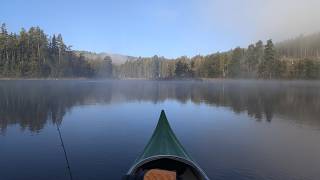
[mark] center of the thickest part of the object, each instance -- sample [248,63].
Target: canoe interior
[183,170]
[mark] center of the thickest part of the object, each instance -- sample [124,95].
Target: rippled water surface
[235,130]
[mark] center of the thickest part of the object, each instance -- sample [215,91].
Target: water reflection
[32,104]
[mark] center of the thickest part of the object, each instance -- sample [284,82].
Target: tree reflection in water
[32,104]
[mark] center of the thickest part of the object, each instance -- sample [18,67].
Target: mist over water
[233,129]
[253,20]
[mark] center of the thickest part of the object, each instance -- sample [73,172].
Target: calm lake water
[235,130]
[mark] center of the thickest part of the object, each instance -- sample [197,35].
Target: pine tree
[234,66]
[182,69]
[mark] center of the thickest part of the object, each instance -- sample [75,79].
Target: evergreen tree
[30,53]
[268,67]
[234,66]
[182,69]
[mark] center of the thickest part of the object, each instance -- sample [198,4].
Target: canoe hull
[164,151]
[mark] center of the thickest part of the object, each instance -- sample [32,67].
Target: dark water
[235,130]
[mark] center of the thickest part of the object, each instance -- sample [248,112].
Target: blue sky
[169,28]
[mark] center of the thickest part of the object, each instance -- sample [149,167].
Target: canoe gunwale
[177,158]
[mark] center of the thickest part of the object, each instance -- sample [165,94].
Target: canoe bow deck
[164,151]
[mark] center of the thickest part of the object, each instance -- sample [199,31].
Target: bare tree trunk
[39,58]
[59,55]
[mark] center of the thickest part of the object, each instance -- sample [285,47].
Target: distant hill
[116,58]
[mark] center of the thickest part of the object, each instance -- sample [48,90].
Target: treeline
[301,47]
[31,53]
[287,60]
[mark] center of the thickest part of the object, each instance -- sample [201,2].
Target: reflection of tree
[260,99]
[32,104]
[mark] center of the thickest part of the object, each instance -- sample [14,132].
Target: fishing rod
[65,153]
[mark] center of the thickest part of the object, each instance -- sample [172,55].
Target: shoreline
[144,79]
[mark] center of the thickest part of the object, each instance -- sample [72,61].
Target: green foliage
[306,69]
[234,65]
[311,69]
[32,54]
[182,69]
[148,68]
[271,67]
[257,61]
[102,68]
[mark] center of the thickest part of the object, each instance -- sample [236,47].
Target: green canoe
[164,151]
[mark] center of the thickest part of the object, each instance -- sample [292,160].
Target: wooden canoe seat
[158,174]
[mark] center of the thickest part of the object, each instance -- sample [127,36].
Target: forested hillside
[33,54]
[297,58]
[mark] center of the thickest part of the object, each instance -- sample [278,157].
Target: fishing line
[65,153]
